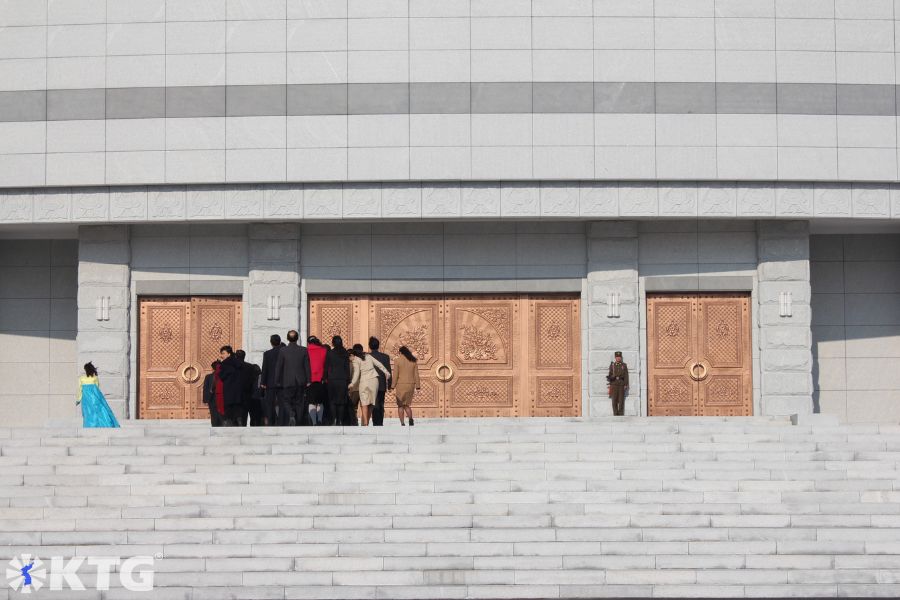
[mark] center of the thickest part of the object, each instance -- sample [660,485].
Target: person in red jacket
[315,393]
[220,395]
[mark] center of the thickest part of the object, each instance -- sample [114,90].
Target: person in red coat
[316,391]
[212,395]
[220,395]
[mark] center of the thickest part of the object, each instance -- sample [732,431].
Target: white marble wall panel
[856,326]
[104,272]
[442,256]
[613,270]
[38,323]
[273,252]
[838,123]
[786,363]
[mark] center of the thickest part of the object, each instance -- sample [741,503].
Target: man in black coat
[378,411]
[250,409]
[209,396]
[292,376]
[337,378]
[267,381]
[230,374]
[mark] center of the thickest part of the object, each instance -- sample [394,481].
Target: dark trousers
[233,414]
[245,412]
[269,402]
[215,419]
[292,406]
[341,414]
[617,395]
[378,409]
[336,411]
[255,411]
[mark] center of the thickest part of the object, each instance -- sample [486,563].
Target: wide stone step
[466,509]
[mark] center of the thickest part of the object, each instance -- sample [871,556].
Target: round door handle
[194,377]
[448,377]
[703,372]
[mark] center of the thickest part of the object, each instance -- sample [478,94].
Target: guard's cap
[618,353]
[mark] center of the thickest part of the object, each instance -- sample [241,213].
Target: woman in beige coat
[365,379]
[406,382]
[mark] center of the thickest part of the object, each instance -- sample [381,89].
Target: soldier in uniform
[618,384]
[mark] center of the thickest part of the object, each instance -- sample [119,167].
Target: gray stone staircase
[540,508]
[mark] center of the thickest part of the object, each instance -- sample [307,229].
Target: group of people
[308,385]
[316,384]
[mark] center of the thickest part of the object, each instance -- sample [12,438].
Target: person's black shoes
[411,422]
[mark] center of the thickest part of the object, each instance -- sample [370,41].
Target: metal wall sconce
[103,308]
[786,304]
[274,308]
[612,305]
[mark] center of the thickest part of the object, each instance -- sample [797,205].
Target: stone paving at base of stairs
[493,508]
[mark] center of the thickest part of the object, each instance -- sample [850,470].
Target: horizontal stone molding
[455,286]
[449,98]
[712,283]
[513,200]
[175,287]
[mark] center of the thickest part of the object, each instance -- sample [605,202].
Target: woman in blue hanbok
[94,409]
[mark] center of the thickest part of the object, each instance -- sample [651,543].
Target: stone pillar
[274,271]
[613,269]
[785,342]
[104,272]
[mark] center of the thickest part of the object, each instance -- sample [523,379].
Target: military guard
[618,384]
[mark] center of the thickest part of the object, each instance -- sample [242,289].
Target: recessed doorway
[180,337]
[479,355]
[698,353]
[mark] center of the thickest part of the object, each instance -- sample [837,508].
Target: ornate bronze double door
[179,340]
[698,350]
[478,356]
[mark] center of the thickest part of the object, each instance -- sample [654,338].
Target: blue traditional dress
[94,409]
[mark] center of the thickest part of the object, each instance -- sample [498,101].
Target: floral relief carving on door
[698,349]
[479,355]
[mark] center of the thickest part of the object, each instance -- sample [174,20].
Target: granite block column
[612,277]
[104,303]
[274,277]
[785,334]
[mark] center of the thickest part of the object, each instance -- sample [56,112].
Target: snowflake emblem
[26,574]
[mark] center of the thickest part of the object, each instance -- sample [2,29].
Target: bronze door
[483,356]
[414,322]
[484,367]
[698,350]
[554,361]
[179,340]
[724,351]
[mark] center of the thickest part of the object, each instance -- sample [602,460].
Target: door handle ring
[703,371]
[449,373]
[194,377]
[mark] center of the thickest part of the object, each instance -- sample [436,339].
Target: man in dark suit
[250,411]
[230,374]
[337,376]
[292,376]
[267,381]
[378,411]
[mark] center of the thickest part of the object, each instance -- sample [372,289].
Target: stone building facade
[612,152]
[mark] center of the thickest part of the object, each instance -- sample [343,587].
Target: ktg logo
[27,574]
